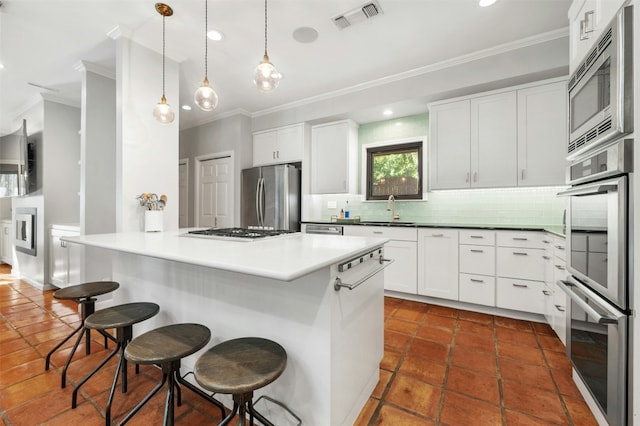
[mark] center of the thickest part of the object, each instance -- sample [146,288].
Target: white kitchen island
[281,289]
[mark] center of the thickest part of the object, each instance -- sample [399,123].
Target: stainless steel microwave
[601,88]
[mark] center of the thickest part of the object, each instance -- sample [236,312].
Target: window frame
[390,147]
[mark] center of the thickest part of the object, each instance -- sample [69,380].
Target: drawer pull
[546,292]
[437,235]
[520,239]
[560,247]
[476,236]
[546,257]
[520,253]
[562,268]
[519,285]
[560,308]
[476,251]
[474,280]
[377,232]
[546,241]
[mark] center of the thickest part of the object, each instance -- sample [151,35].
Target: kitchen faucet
[391,206]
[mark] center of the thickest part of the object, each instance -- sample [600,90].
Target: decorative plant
[151,201]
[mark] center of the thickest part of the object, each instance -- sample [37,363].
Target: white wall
[32,268]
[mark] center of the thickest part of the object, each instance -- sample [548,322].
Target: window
[395,170]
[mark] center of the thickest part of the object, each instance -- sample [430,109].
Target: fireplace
[26,230]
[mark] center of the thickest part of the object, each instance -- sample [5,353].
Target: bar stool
[122,318]
[239,367]
[84,294]
[165,347]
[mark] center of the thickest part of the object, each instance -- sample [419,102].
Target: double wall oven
[599,244]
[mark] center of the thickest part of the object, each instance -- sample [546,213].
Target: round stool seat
[91,289]
[167,344]
[121,315]
[240,366]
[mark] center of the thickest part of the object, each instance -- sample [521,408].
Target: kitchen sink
[386,223]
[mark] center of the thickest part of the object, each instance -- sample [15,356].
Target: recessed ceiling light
[186,107]
[305,35]
[486,3]
[215,35]
[387,112]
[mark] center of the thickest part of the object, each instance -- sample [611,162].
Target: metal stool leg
[144,401]
[74,396]
[233,412]
[168,407]
[202,394]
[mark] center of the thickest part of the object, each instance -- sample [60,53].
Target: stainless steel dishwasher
[323,228]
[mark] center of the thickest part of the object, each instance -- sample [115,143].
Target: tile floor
[441,367]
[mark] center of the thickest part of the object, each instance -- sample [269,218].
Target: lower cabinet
[560,301]
[6,241]
[401,275]
[520,295]
[477,267]
[438,263]
[64,259]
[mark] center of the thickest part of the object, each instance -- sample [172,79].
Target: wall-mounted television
[17,163]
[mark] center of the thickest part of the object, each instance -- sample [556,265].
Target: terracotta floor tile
[515,418]
[392,416]
[551,343]
[18,357]
[410,314]
[565,383]
[520,352]
[531,374]
[392,301]
[514,324]
[424,369]
[478,317]
[390,360]
[472,359]
[534,401]
[439,321]
[388,311]
[481,343]
[558,360]
[367,412]
[396,340]
[13,346]
[385,378]
[85,415]
[9,335]
[485,330]
[401,326]
[37,327]
[516,336]
[473,384]
[437,334]
[542,328]
[462,410]
[55,333]
[414,395]
[21,392]
[20,373]
[435,351]
[36,317]
[42,408]
[579,412]
[443,311]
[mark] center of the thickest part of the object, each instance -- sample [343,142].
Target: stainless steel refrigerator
[271,197]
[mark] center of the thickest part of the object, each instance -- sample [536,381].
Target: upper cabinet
[281,145]
[587,20]
[334,157]
[513,137]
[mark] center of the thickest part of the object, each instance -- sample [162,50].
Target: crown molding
[82,66]
[221,116]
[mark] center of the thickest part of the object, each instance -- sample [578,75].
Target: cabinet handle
[519,285]
[476,236]
[437,235]
[562,268]
[377,232]
[546,241]
[520,253]
[467,179]
[546,292]
[522,174]
[63,244]
[476,251]
[588,21]
[560,247]
[277,154]
[546,257]
[560,308]
[273,155]
[474,280]
[520,239]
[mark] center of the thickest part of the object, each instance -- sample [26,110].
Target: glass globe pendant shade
[266,77]
[205,97]
[163,112]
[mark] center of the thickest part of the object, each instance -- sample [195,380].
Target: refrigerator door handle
[261,204]
[258,200]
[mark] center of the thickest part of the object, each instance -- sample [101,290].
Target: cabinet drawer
[522,239]
[478,259]
[559,249]
[527,264]
[478,237]
[478,289]
[520,295]
[393,233]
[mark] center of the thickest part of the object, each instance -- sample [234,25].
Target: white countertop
[283,258]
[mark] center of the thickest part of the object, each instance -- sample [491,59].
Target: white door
[183,194]
[216,193]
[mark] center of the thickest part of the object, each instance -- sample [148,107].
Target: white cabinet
[334,157]
[549,277]
[520,271]
[281,145]
[477,267]
[542,135]
[500,139]
[64,259]
[559,297]
[401,275]
[449,149]
[587,20]
[438,263]
[493,141]
[6,241]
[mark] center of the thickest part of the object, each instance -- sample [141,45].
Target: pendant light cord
[265,27]
[163,46]
[206,41]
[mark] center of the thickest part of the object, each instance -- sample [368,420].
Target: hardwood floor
[441,367]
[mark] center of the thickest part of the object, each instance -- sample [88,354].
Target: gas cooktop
[240,234]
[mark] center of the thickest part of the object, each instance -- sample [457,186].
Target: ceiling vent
[364,12]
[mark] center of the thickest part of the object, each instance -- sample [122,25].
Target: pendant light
[265,76]
[162,111]
[206,98]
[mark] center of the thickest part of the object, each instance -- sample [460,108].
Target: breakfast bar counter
[279,288]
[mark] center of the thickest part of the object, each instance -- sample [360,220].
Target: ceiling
[43,41]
